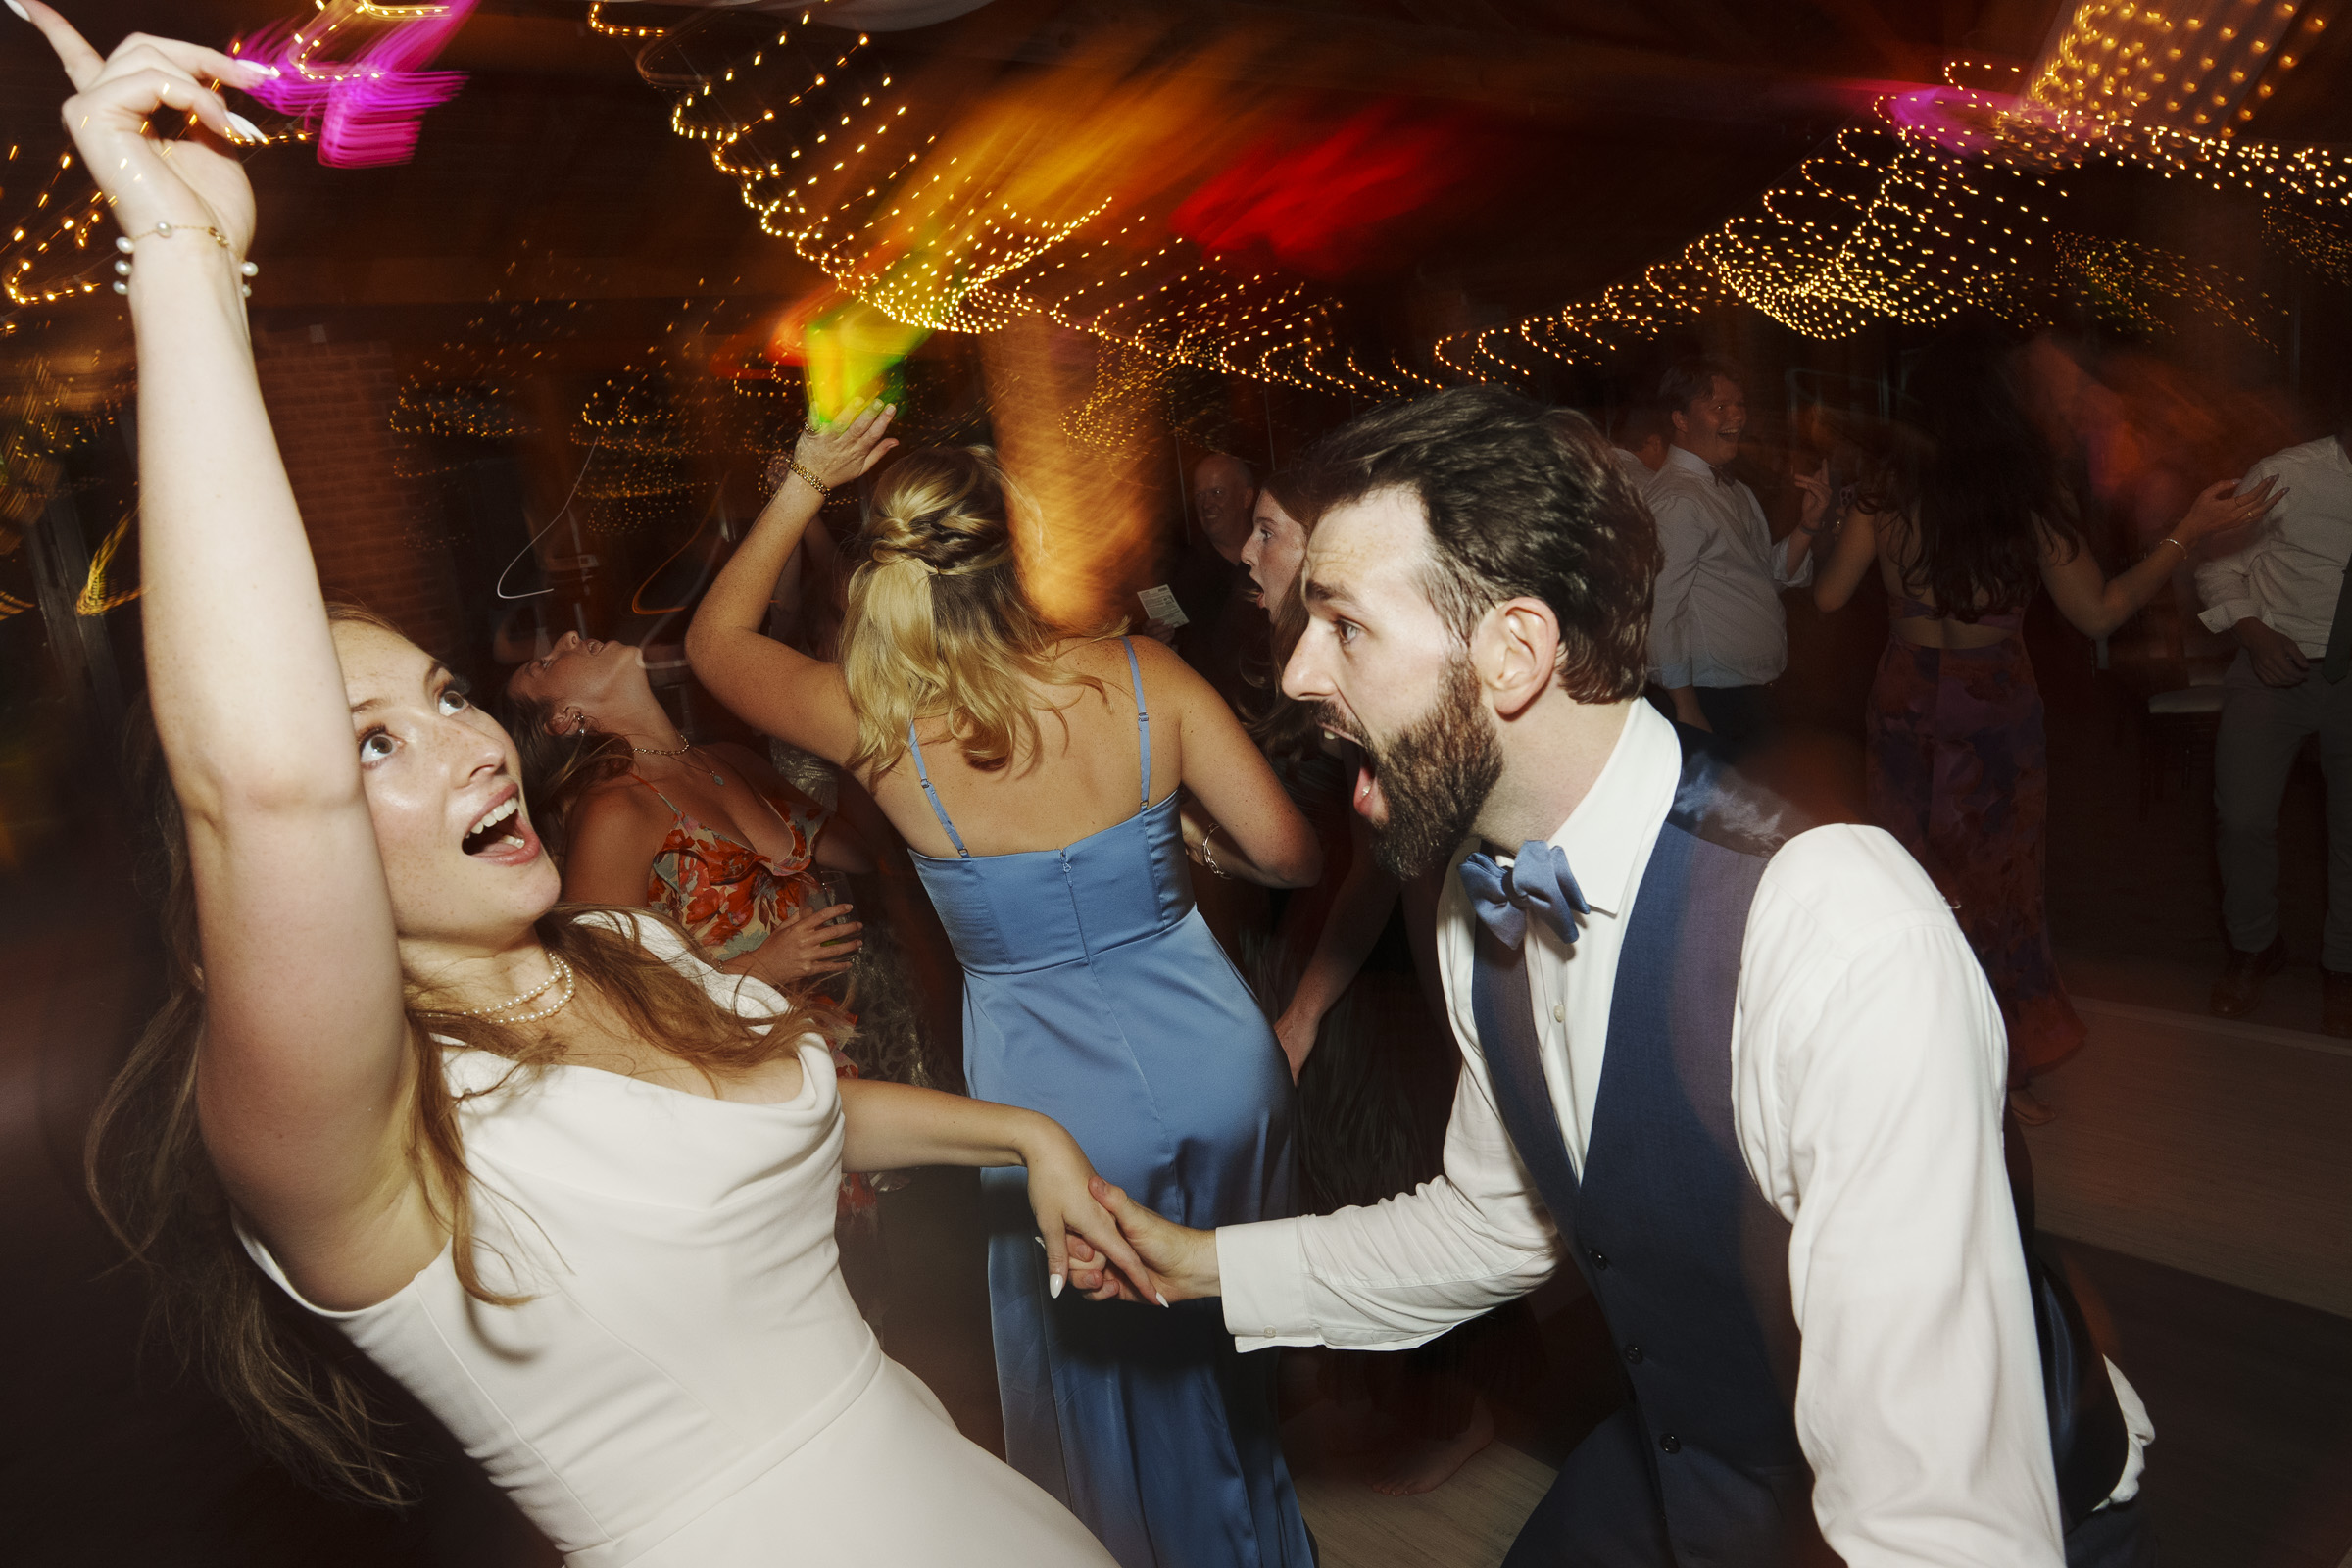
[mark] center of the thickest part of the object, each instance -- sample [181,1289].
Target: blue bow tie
[1537,880]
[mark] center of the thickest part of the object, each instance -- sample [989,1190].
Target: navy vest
[1688,1261]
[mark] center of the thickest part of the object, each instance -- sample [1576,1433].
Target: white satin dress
[689,1382]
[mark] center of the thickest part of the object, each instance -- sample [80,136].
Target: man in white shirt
[1759,1108]
[1718,636]
[2283,594]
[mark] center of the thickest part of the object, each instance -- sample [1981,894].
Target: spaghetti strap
[657,794]
[922,772]
[1142,717]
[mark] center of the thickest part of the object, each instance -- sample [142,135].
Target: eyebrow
[1318,592]
[433,674]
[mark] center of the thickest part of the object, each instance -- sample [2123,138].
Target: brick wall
[331,405]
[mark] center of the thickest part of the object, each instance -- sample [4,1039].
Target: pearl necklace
[655,751]
[558,972]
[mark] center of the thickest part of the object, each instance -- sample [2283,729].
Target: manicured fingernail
[1163,1301]
[1040,1241]
[245,128]
[20,10]
[1054,1286]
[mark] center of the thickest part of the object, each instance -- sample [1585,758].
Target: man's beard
[1434,775]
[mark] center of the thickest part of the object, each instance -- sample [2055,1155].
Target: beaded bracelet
[162,230]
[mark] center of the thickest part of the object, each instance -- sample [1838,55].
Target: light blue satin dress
[1094,994]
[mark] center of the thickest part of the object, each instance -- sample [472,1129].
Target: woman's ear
[568,724]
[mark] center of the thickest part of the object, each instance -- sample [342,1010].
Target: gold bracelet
[825,491]
[1209,860]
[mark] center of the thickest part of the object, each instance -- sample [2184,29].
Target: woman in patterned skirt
[1966,519]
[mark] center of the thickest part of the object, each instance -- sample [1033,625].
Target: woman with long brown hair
[1965,520]
[1037,772]
[560,1178]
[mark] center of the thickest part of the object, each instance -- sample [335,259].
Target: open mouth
[1366,797]
[501,833]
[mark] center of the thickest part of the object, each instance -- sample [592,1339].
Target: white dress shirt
[1717,619]
[1868,1068]
[1635,469]
[2291,568]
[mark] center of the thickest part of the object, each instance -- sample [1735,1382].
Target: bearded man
[1741,1070]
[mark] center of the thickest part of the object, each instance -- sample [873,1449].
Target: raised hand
[849,446]
[193,182]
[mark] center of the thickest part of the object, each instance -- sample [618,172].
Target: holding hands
[1175,1262]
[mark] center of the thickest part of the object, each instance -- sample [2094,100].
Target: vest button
[1633,1354]
[1599,1259]
[1671,1443]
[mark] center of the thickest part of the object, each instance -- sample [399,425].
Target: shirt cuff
[1261,1270]
[2227,613]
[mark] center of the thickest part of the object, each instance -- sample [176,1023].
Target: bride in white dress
[565,1181]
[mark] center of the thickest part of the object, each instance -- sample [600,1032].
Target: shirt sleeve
[1782,577]
[2225,582]
[1682,534]
[1407,1269]
[1869,1087]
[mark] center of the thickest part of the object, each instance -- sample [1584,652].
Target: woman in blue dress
[1037,775]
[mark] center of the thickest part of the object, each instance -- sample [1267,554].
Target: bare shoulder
[618,801]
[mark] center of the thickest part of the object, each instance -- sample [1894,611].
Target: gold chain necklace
[655,751]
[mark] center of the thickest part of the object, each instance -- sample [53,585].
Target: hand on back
[2221,507]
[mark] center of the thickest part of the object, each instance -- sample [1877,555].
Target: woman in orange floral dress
[709,835]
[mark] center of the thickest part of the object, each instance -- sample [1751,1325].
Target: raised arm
[304,1060]
[2096,605]
[765,683]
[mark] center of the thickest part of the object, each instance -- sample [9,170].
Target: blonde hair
[156,1188]
[937,621]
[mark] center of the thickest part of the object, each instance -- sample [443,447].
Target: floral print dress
[730,899]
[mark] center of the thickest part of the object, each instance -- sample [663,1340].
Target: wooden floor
[1469,1522]
[2220,1147]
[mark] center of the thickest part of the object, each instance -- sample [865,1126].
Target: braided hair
[937,623]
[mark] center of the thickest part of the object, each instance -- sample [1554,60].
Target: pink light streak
[365,104]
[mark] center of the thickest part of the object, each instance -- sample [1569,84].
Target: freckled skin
[438,764]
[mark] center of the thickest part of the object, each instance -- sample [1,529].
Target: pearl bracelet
[162,230]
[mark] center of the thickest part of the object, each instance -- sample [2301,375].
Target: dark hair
[1642,423]
[1521,501]
[1687,380]
[1977,482]
[1285,726]
[558,770]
